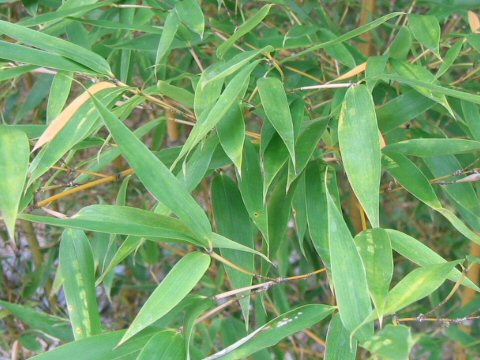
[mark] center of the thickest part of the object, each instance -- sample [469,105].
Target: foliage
[232,179]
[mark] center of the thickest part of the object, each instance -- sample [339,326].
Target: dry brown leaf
[355,71]
[474,22]
[62,119]
[382,140]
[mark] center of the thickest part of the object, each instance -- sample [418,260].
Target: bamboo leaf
[122,220]
[376,251]
[57,46]
[190,13]
[14,157]
[275,330]
[62,119]
[157,178]
[243,29]
[348,274]
[422,255]
[168,34]
[338,344]
[165,345]
[231,133]
[360,148]
[416,285]
[394,342]
[433,147]
[426,30]
[275,103]
[173,288]
[76,260]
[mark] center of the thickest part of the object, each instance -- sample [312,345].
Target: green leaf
[122,220]
[430,147]
[168,34]
[251,187]
[394,342]
[426,30]
[412,179]
[231,133]
[234,223]
[76,260]
[317,215]
[57,46]
[274,158]
[80,125]
[275,103]
[402,109]
[174,287]
[359,141]
[233,92]
[416,285]
[156,177]
[14,157]
[376,65]
[275,330]
[348,274]
[376,251]
[450,58]
[98,347]
[165,345]
[58,94]
[243,29]
[347,36]
[221,70]
[200,305]
[422,255]
[222,242]
[338,344]
[39,321]
[401,45]
[190,13]
[471,114]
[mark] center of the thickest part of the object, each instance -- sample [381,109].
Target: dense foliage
[232,179]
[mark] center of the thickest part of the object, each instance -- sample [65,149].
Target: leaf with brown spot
[62,119]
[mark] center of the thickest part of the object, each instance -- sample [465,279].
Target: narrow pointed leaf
[359,141]
[168,34]
[174,287]
[275,330]
[422,255]
[231,133]
[376,251]
[122,220]
[348,274]
[275,103]
[243,29]
[416,285]
[426,29]
[156,177]
[338,345]
[14,156]
[56,45]
[433,147]
[76,260]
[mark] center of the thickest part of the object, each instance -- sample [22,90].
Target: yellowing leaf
[474,22]
[62,119]
[355,71]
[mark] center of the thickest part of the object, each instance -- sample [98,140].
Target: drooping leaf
[171,290]
[76,260]
[338,345]
[168,34]
[275,103]
[376,251]
[14,157]
[348,274]
[231,133]
[190,13]
[360,148]
[156,177]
